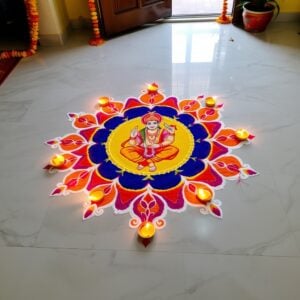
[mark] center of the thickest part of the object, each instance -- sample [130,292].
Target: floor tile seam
[154,252]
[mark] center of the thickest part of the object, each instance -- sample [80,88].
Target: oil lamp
[57,160]
[152,88]
[210,101]
[96,196]
[204,195]
[242,134]
[103,101]
[146,230]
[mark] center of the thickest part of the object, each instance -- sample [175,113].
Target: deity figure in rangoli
[151,144]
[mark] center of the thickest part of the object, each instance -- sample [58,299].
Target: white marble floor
[47,252]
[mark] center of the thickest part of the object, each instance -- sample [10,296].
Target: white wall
[54,21]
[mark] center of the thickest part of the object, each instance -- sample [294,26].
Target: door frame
[149,20]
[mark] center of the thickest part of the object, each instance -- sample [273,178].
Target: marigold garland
[33,21]
[97,39]
[224,18]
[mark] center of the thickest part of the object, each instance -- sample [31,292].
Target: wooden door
[120,15]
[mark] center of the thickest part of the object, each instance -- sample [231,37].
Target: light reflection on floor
[198,7]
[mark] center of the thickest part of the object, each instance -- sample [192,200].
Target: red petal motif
[77,180]
[171,102]
[209,176]
[132,102]
[173,197]
[215,210]
[52,142]
[96,180]
[58,191]
[192,188]
[125,197]
[102,117]
[212,127]
[88,133]
[217,150]
[89,212]
[250,172]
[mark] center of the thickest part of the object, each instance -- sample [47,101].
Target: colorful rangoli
[148,155]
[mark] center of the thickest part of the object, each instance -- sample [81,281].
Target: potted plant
[257,14]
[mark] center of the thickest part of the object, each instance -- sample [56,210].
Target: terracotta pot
[257,21]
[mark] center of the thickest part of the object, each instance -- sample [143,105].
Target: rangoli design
[147,156]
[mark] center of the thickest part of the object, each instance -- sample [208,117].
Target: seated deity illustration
[151,144]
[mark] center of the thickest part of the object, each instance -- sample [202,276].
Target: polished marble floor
[253,253]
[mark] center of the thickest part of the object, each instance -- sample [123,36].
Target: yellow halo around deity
[184,141]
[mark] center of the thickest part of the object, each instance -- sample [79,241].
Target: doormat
[6,66]
[149,155]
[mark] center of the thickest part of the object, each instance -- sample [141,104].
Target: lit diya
[152,88]
[204,195]
[57,160]
[146,230]
[96,196]
[242,134]
[103,101]
[210,101]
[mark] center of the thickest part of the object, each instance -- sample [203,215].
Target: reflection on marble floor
[198,7]
[47,252]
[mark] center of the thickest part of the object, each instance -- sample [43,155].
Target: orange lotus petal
[152,98]
[85,121]
[228,166]
[113,107]
[71,142]
[208,114]
[227,137]
[189,105]
[77,180]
